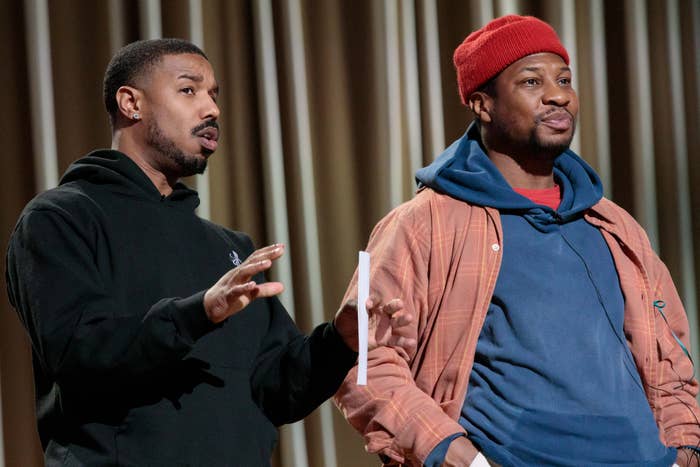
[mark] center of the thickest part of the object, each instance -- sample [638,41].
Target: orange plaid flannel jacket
[442,257]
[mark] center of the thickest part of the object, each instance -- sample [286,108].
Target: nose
[554,94]
[211,109]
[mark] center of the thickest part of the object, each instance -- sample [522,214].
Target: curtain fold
[365,93]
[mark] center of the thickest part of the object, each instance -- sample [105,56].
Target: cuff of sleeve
[437,456]
[190,318]
[442,427]
[341,352]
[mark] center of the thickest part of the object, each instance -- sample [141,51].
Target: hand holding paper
[384,319]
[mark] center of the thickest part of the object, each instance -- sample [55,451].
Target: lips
[559,121]
[208,138]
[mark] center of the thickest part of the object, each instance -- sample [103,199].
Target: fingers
[251,290]
[271,252]
[386,321]
[246,271]
[269,289]
[374,301]
[393,306]
[401,318]
[371,302]
[401,341]
[242,289]
[236,289]
[221,301]
[394,309]
[259,261]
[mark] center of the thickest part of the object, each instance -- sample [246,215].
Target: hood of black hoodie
[464,171]
[117,172]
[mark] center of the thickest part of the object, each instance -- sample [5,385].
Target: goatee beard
[184,165]
[537,146]
[549,150]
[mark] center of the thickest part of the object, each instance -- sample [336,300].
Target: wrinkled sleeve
[677,386]
[294,373]
[396,418]
[78,330]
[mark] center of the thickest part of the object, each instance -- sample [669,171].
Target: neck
[524,172]
[136,152]
[521,166]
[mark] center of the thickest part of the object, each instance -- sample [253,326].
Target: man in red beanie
[548,330]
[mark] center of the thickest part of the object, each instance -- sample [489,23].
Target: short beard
[537,146]
[533,146]
[180,164]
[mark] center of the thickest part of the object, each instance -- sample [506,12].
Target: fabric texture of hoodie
[108,278]
[553,381]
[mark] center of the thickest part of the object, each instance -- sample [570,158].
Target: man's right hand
[461,453]
[235,290]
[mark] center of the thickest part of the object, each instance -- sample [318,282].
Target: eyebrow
[195,78]
[198,79]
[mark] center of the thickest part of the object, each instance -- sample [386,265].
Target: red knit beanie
[489,50]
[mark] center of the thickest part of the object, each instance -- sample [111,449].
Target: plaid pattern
[442,257]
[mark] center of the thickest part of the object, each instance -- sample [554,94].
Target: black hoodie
[108,278]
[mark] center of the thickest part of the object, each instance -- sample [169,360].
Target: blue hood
[464,171]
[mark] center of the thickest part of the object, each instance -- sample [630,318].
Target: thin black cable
[635,374]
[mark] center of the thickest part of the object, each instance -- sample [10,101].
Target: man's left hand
[384,321]
[688,458]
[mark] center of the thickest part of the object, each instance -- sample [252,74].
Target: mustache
[207,124]
[549,112]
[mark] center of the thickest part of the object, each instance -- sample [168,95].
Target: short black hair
[133,60]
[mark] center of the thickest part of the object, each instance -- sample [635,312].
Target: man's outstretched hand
[688,458]
[236,289]
[385,319]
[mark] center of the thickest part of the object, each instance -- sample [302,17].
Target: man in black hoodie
[156,340]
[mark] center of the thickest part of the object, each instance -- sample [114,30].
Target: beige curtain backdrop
[328,107]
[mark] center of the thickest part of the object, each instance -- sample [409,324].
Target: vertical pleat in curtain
[328,107]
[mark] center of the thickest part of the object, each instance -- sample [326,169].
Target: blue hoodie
[553,381]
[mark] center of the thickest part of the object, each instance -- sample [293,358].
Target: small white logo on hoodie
[233,256]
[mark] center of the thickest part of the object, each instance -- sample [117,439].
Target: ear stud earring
[136,116]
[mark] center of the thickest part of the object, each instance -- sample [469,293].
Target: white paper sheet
[479,461]
[362,318]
